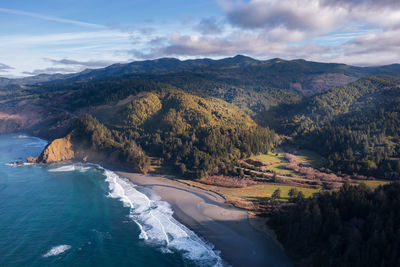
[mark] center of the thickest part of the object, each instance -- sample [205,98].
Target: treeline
[210,150]
[352,227]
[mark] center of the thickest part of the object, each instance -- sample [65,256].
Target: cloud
[209,26]
[373,43]
[303,15]
[254,44]
[50,71]
[51,18]
[362,32]
[313,17]
[368,49]
[5,68]
[358,49]
[195,45]
[131,29]
[362,3]
[92,37]
[89,64]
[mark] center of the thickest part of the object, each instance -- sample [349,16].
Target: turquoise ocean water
[84,215]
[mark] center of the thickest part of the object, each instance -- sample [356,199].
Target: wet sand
[225,226]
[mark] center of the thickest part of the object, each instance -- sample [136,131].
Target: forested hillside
[355,127]
[355,226]
[197,136]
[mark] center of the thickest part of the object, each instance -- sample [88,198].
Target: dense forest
[352,227]
[197,136]
[355,127]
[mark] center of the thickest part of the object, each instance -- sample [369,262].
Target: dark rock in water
[18,163]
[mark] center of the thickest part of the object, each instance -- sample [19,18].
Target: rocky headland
[90,141]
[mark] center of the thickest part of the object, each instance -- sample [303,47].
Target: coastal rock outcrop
[92,141]
[59,150]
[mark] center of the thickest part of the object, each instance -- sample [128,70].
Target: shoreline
[205,212]
[228,228]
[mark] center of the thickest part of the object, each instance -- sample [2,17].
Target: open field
[254,192]
[247,197]
[277,162]
[266,158]
[375,183]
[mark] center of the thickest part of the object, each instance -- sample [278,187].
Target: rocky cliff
[59,150]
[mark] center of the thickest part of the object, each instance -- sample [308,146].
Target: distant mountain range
[306,77]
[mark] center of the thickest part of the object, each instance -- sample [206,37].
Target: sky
[65,36]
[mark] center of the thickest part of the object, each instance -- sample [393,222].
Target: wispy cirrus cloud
[89,63]
[51,18]
[50,71]
[67,52]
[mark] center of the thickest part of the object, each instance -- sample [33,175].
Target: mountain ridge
[174,65]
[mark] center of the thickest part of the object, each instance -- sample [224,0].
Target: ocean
[84,215]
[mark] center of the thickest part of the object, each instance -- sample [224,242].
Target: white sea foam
[56,250]
[71,168]
[21,136]
[37,143]
[14,164]
[157,226]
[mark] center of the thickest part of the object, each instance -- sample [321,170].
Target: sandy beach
[225,226]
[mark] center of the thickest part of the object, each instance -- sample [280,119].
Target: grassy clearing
[375,183]
[278,161]
[255,192]
[266,158]
[281,169]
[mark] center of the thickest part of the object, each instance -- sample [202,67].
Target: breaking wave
[21,136]
[71,168]
[56,250]
[37,143]
[157,226]
[154,218]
